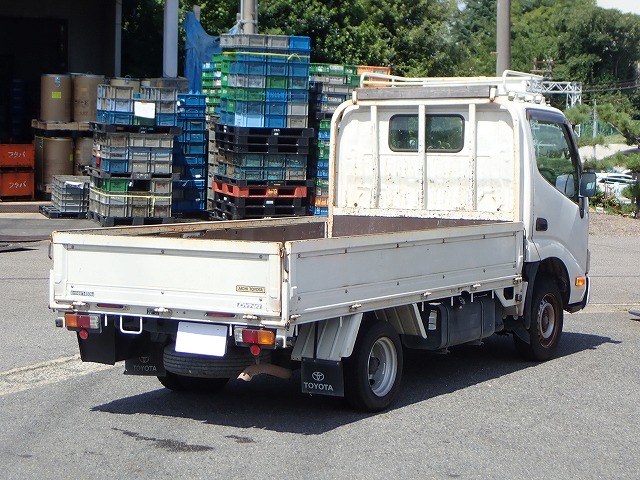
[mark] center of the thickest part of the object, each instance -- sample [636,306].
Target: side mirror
[588,184]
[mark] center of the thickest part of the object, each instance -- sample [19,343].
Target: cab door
[560,224]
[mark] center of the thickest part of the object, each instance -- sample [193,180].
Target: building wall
[90,30]
[42,37]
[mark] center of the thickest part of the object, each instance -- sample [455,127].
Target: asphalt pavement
[479,412]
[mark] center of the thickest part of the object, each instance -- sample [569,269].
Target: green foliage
[142,25]
[411,37]
[216,16]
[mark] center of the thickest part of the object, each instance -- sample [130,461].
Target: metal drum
[55,98]
[85,96]
[54,156]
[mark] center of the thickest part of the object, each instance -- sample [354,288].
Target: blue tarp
[199,48]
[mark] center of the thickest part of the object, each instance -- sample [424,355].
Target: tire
[373,372]
[181,383]
[231,365]
[546,322]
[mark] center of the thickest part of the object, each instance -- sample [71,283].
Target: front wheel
[373,371]
[546,319]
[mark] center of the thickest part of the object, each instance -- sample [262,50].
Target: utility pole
[503,37]
[249,16]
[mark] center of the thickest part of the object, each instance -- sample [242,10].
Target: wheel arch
[552,268]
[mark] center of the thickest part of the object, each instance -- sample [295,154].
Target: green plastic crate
[115,184]
[277,82]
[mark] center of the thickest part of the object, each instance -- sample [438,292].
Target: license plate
[202,339]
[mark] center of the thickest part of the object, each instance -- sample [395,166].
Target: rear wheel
[372,373]
[546,320]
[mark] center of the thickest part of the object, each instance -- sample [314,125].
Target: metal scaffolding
[572,91]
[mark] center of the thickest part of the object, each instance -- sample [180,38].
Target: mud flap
[322,377]
[151,363]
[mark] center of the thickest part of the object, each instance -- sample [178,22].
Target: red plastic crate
[16,184]
[17,155]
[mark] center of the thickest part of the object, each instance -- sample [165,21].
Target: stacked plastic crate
[190,157]
[69,197]
[211,87]
[150,106]
[132,164]
[331,84]
[260,148]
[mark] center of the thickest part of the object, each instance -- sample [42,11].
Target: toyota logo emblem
[318,376]
[144,359]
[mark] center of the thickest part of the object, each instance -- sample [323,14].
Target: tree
[615,110]
[413,37]
[475,34]
[142,26]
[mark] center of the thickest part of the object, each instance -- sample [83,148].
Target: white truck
[458,209]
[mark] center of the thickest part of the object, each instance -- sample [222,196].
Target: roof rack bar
[510,82]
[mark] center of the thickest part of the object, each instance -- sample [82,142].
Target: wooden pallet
[61,126]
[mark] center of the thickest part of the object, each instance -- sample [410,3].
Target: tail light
[85,321]
[254,336]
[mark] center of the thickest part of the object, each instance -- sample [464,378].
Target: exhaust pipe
[268,368]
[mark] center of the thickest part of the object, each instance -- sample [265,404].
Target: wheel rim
[547,321]
[383,366]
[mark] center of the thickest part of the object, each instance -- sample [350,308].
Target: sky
[626,6]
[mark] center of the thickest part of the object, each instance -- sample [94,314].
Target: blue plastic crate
[250,107]
[275,121]
[299,96]
[324,211]
[186,206]
[114,118]
[166,119]
[192,172]
[189,194]
[323,164]
[191,99]
[277,69]
[322,173]
[190,125]
[298,83]
[324,135]
[249,120]
[299,161]
[193,148]
[248,68]
[299,43]
[227,118]
[110,165]
[193,111]
[185,184]
[276,95]
[276,108]
[193,137]
[277,58]
[191,160]
[275,160]
[297,69]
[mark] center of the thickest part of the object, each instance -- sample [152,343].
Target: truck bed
[280,271]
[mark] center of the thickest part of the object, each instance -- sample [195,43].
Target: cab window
[445,133]
[555,158]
